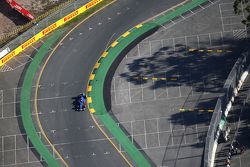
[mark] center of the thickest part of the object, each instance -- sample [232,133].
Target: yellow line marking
[191,50]
[154,79]
[39,77]
[114,44]
[182,110]
[209,50]
[201,110]
[210,110]
[126,34]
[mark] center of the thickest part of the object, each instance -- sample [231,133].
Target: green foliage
[239,8]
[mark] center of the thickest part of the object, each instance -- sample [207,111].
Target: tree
[241,6]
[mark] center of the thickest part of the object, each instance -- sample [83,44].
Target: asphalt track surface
[67,73]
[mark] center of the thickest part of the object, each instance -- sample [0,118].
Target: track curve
[66,75]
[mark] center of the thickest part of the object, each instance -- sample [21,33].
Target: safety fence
[46,26]
[223,105]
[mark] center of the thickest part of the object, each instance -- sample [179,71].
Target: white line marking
[130,100]
[17,60]
[34,48]
[142,91]
[158,134]
[3,149]
[115,92]
[173,39]
[198,41]
[150,49]
[132,132]
[185,140]
[145,134]
[154,90]
[15,149]
[171,129]
[201,7]
[210,41]
[197,132]
[139,53]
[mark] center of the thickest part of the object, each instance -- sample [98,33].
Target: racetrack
[65,77]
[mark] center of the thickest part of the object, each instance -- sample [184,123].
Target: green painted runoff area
[106,62]
[25,101]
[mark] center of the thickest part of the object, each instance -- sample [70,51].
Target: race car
[82,102]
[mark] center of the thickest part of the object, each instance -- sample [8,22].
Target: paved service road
[65,77]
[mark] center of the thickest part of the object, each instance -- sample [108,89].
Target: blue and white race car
[82,102]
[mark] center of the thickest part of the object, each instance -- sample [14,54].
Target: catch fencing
[222,107]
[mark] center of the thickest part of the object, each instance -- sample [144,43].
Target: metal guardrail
[43,21]
[218,119]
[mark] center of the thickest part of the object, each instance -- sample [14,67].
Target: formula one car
[82,102]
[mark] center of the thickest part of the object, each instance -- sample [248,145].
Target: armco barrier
[223,105]
[95,92]
[48,29]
